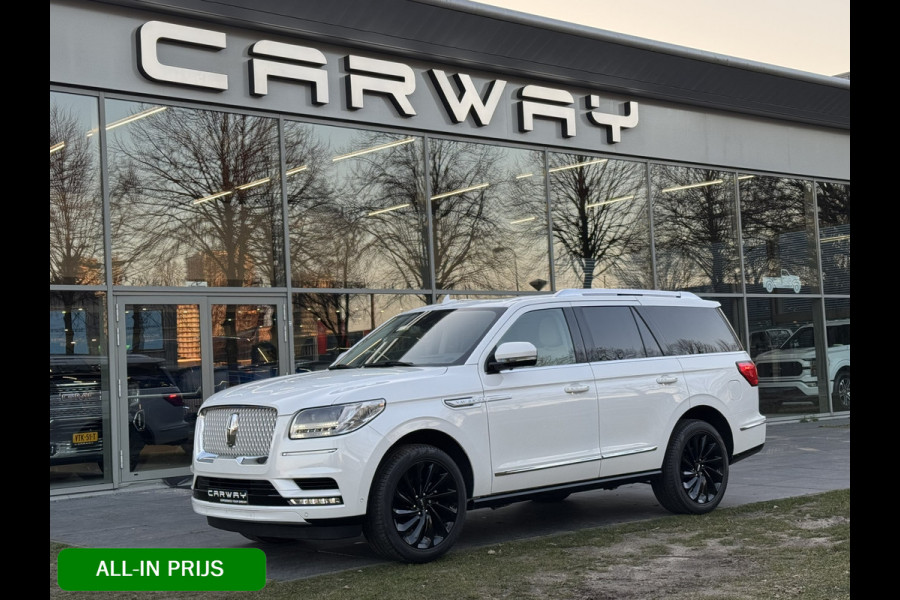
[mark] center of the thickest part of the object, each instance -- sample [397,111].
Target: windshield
[431,338]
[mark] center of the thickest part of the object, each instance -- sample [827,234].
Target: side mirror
[512,354]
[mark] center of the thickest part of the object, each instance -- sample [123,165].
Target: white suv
[791,371]
[470,404]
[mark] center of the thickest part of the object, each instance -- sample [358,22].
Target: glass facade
[319,233]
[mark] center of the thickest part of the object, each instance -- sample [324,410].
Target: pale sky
[806,35]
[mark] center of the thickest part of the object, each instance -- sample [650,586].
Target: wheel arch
[717,420]
[442,441]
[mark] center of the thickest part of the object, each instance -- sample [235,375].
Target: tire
[694,471]
[770,286]
[417,505]
[841,395]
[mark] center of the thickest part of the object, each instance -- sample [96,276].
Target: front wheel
[694,471]
[417,505]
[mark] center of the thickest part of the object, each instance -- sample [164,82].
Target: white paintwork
[522,428]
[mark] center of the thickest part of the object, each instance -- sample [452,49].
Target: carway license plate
[85,438]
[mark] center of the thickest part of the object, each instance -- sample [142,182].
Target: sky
[806,35]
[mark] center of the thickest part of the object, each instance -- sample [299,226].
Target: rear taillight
[748,370]
[174,399]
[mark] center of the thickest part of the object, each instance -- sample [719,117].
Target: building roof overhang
[476,36]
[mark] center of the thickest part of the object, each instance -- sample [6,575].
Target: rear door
[638,388]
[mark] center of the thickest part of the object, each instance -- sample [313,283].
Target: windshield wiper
[389,363]
[333,367]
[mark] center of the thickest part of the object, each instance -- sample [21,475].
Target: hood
[289,393]
[782,355]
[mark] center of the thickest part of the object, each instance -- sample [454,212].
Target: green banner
[161,569]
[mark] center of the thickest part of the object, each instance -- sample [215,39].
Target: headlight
[326,421]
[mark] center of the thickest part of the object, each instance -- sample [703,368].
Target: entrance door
[175,353]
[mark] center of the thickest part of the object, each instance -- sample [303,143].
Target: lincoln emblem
[231,430]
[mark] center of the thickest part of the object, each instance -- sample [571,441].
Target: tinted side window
[690,330]
[612,333]
[548,331]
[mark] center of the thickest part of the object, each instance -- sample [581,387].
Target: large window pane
[356,208]
[195,198]
[833,201]
[79,390]
[837,313]
[695,229]
[601,229]
[783,343]
[489,217]
[327,324]
[76,203]
[777,218]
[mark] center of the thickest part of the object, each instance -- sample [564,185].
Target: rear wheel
[417,505]
[694,471]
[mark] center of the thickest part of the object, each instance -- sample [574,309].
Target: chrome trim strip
[302,452]
[629,452]
[548,466]
[462,402]
[753,424]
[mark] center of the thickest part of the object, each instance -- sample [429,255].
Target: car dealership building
[241,190]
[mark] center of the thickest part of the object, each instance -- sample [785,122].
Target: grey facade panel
[469,34]
[94,45]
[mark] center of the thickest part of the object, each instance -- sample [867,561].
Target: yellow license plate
[85,438]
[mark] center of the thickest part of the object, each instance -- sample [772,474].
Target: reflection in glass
[79,390]
[195,197]
[485,236]
[777,218]
[782,334]
[601,233]
[695,229]
[833,201]
[76,204]
[837,313]
[162,345]
[355,208]
[245,343]
[325,325]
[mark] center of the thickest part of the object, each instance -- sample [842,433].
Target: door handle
[577,389]
[666,379]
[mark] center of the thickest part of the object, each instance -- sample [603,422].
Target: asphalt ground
[799,458]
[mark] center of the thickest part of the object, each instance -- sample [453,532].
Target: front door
[175,353]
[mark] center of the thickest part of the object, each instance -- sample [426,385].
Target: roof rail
[625,292]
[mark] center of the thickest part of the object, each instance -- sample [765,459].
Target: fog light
[324,501]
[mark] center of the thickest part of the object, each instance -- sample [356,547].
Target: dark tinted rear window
[690,330]
[614,334]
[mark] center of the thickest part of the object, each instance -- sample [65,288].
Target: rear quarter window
[690,330]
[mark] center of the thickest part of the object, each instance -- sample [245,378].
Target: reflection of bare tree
[695,228]
[196,184]
[598,215]
[76,228]
[777,227]
[833,201]
[462,227]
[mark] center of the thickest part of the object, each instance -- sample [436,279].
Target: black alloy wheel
[695,469]
[417,505]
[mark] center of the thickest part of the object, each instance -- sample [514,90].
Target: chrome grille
[256,425]
[76,402]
